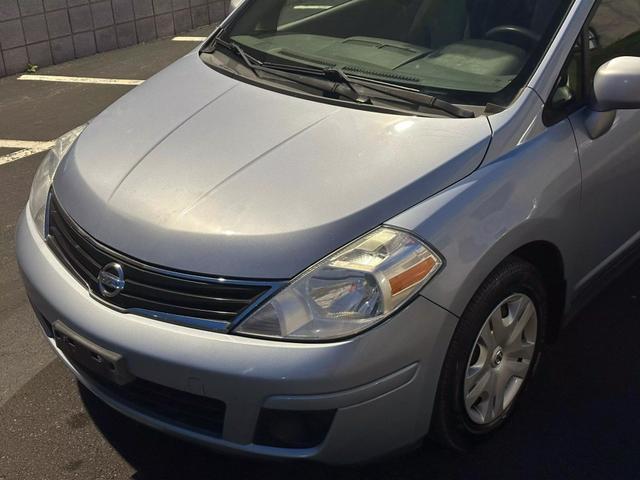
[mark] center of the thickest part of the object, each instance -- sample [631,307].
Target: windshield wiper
[390,89]
[335,80]
[333,74]
[299,74]
[412,95]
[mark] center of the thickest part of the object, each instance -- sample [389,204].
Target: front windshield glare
[472,47]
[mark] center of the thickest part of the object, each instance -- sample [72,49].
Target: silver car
[341,226]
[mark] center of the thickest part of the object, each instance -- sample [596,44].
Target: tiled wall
[42,32]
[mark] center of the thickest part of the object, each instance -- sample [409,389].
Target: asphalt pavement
[578,420]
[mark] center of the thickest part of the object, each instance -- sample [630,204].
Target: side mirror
[616,86]
[234,4]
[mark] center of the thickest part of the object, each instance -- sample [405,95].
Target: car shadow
[578,419]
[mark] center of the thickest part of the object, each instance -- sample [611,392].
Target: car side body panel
[519,198]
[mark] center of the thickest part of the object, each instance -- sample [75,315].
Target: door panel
[610,213]
[610,163]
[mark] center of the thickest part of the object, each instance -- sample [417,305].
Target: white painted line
[189,39]
[22,144]
[312,7]
[28,149]
[61,78]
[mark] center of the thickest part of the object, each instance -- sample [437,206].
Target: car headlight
[351,290]
[44,176]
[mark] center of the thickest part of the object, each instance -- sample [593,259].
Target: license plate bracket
[91,357]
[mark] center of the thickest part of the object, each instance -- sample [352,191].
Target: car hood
[199,172]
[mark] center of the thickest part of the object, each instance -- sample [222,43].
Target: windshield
[473,51]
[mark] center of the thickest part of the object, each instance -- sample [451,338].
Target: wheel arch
[545,255]
[547,258]
[455,289]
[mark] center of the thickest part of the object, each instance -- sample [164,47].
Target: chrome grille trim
[194,300]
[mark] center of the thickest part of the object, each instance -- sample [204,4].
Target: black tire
[451,425]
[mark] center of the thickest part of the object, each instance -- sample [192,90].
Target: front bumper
[381,384]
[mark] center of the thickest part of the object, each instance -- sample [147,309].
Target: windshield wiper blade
[250,61]
[399,92]
[333,74]
[335,80]
[411,95]
[299,74]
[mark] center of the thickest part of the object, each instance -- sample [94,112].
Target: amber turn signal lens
[414,275]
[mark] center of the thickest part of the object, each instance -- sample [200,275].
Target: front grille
[198,301]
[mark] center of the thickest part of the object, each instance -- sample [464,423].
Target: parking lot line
[189,39]
[61,78]
[19,144]
[27,149]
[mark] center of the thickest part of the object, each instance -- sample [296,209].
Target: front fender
[532,193]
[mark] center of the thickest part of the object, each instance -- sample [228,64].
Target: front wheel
[491,356]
